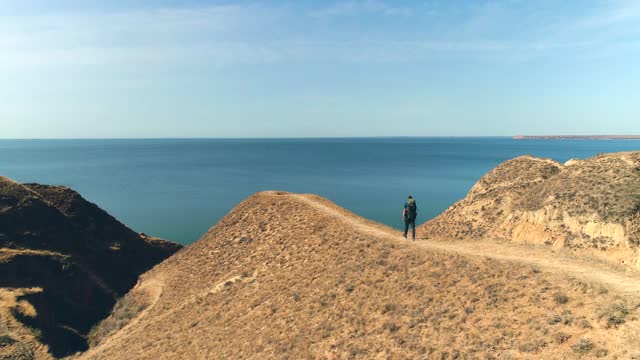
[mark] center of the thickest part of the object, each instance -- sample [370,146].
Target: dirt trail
[622,283]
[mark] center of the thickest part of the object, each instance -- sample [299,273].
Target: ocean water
[177,189]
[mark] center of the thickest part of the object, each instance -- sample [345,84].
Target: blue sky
[76,69]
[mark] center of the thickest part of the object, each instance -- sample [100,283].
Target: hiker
[409,214]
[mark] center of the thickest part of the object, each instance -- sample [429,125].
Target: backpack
[411,209]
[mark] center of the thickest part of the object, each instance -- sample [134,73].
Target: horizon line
[516,137]
[266,138]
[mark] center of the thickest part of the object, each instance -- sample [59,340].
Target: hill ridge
[63,263]
[621,281]
[245,273]
[591,206]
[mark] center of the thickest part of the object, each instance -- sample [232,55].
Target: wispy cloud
[134,25]
[346,8]
[616,12]
[255,34]
[135,36]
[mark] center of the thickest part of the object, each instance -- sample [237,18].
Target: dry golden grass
[17,341]
[591,206]
[287,276]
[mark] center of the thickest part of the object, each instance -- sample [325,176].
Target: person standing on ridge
[409,214]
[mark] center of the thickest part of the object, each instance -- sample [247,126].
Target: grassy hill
[63,263]
[591,206]
[287,276]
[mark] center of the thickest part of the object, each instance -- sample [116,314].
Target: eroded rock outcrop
[590,205]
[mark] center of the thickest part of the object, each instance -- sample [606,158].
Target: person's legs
[406,228]
[413,228]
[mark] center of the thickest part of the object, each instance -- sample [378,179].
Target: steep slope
[286,276]
[112,250]
[590,205]
[71,260]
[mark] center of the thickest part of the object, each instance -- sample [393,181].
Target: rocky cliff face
[590,205]
[72,260]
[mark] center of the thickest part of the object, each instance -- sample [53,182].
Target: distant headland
[578,137]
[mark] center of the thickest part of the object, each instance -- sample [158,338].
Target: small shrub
[125,310]
[356,352]
[562,337]
[37,333]
[389,308]
[6,340]
[391,327]
[615,314]
[556,319]
[567,317]
[603,290]
[532,346]
[583,346]
[614,320]
[469,310]
[585,324]
[560,298]
[582,287]
[326,329]
[600,353]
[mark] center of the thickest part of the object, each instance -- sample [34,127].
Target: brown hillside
[590,205]
[286,276]
[66,261]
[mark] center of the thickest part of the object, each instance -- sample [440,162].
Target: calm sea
[177,189]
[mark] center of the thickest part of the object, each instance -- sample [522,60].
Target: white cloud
[81,28]
[363,6]
[617,12]
[138,36]
[221,53]
[253,34]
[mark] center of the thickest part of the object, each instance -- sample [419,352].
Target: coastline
[576,137]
